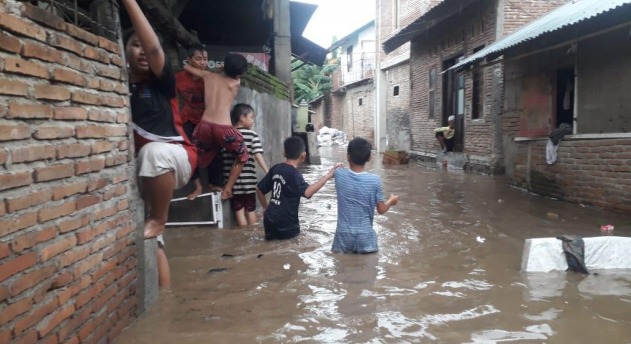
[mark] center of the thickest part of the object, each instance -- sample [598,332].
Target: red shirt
[192,92]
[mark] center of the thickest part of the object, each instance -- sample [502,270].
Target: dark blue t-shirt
[287,185]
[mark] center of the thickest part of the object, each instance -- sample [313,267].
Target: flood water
[447,272]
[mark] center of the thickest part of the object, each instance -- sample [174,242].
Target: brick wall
[67,253]
[398,107]
[519,13]
[359,121]
[592,172]
[459,35]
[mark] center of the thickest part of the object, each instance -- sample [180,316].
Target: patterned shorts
[209,137]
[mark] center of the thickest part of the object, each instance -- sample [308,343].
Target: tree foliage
[311,81]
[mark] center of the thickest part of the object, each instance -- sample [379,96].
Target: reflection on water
[447,272]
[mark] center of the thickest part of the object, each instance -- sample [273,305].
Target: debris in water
[480,239]
[217,270]
[552,215]
[286,266]
[227,255]
[606,228]
[260,255]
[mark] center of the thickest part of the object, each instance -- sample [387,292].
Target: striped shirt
[246,183]
[357,198]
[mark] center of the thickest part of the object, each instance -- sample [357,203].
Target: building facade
[441,37]
[352,100]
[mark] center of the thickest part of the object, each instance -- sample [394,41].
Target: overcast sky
[337,18]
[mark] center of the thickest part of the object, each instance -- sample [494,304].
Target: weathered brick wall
[67,254]
[460,35]
[338,110]
[359,120]
[519,13]
[409,10]
[592,172]
[398,107]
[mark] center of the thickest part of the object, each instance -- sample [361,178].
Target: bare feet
[214,188]
[153,228]
[197,191]
[226,194]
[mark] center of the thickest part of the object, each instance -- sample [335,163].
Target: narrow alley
[448,271]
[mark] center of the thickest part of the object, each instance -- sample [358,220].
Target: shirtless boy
[215,129]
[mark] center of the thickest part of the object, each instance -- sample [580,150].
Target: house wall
[594,170]
[458,35]
[604,71]
[398,108]
[69,204]
[359,121]
[362,59]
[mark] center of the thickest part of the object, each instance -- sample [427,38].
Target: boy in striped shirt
[243,201]
[358,194]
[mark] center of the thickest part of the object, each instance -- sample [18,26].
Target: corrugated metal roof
[566,15]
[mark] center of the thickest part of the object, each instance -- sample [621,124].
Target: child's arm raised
[315,187]
[195,71]
[382,207]
[259,160]
[147,37]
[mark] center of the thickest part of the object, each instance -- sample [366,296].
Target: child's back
[359,193]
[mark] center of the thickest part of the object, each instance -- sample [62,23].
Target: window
[432,93]
[349,58]
[459,95]
[360,101]
[395,91]
[477,87]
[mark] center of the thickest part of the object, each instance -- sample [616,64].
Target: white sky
[337,18]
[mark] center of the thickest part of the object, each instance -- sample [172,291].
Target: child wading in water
[243,199]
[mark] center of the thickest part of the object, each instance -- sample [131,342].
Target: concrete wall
[69,205]
[362,58]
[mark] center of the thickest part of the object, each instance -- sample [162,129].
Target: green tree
[311,81]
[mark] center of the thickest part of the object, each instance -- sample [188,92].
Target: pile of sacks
[331,136]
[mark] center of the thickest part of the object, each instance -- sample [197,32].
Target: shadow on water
[447,272]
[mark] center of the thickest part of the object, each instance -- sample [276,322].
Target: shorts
[274,233]
[247,201]
[158,158]
[160,239]
[347,242]
[449,143]
[210,136]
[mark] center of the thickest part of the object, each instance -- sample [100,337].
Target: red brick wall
[592,172]
[67,254]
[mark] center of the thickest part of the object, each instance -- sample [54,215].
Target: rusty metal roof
[569,14]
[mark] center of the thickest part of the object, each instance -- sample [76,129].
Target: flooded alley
[448,271]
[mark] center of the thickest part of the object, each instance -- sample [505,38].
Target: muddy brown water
[447,272]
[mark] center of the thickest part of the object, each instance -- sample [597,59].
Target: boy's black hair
[359,151]
[238,111]
[194,48]
[235,65]
[294,146]
[127,36]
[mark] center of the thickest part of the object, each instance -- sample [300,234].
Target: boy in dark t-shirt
[287,187]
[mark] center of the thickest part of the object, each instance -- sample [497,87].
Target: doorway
[565,96]
[453,100]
